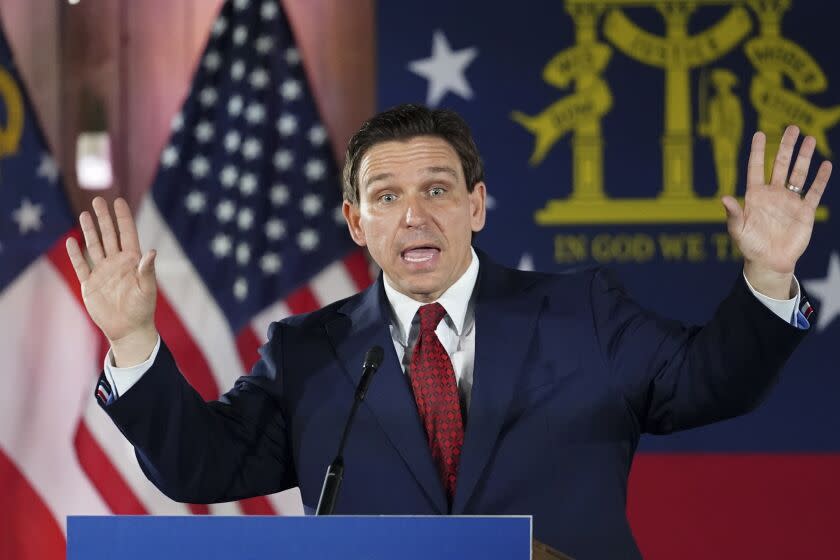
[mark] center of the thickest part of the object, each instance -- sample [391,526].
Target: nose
[416,213]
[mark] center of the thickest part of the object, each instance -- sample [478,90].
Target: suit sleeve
[206,452]
[676,377]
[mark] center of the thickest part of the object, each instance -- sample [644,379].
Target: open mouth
[420,254]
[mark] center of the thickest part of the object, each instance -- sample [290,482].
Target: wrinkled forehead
[420,155]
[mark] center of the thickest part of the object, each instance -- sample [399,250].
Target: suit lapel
[505,322]
[389,398]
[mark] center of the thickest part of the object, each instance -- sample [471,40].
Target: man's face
[415,214]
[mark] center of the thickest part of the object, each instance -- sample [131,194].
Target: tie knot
[430,315]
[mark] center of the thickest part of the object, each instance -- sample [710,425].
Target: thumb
[146,270]
[734,215]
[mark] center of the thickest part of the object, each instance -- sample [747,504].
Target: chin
[422,288]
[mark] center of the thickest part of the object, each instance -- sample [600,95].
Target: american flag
[245,216]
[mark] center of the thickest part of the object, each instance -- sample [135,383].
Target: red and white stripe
[50,350]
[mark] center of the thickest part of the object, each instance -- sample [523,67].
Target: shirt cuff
[122,379]
[786,309]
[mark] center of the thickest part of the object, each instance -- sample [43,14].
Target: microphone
[335,473]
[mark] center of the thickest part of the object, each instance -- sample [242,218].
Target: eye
[436,191]
[388,197]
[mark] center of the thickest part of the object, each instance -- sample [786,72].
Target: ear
[478,206]
[353,217]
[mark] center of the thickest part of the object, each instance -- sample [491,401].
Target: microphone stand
[335,472]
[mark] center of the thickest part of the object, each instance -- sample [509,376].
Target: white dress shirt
[456,331]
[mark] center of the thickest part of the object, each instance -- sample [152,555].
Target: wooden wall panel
[31,29]
[139,58]
[159,53]
[336,38]
[89,64]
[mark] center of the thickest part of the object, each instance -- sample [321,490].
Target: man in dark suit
[501,392]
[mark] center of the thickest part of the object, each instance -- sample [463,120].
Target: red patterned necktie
[436,394]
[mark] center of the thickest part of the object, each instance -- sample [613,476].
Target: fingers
[109,239]
[803,161]
[94,247]
[106,227]
[784,156]
[755,167]
[77,259]
[146,270]
[815,192]
[734,216]
[129,240]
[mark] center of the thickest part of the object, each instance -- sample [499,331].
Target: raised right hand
[118,286]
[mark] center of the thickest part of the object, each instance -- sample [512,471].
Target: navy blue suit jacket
[568,373]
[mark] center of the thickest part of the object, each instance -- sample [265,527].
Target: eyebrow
[429,171]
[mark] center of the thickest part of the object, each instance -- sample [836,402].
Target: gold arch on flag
[11,133]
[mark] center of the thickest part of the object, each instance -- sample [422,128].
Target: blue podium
[298,538]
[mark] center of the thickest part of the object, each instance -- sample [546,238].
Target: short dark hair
[405,122]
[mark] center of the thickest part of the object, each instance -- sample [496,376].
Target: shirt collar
[455,300]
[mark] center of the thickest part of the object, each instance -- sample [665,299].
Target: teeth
[419,255]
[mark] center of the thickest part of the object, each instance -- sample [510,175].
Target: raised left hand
[774,227]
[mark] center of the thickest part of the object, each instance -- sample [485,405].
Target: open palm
[118,286]
[774,227]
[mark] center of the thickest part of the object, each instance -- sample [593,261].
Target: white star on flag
[264,44]
[28,216]
[314,170]
[311,205]
[275,229]
[258,78]
[245,219]
[229,176]
[290,89]
[221,245]
[268,9]
[251,148]
[177,122]
[292,56]
[279,194]
[490,202]
[220,26]
[270,263]
[207,96]
[827,291]
[212,60]
[237,70]
[225,210]
[196,202]
[287,124]
[204,131]
[308,239]
[232,140]
[445,69]
[283,159]
[255,113]
[248,184]
[526,263]
[199,167]
[48,168]
[317,135]
[243,253]
[240,35]
[240,288]
[234,106]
